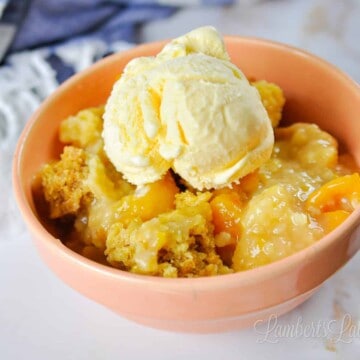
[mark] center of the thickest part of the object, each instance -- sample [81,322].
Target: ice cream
[189,109]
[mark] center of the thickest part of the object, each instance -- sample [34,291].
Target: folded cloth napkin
[48,21]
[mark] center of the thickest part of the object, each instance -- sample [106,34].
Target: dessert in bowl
[248,285]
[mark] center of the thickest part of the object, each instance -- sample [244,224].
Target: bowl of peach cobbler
[196,184]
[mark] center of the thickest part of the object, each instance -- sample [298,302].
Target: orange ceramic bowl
[315,91]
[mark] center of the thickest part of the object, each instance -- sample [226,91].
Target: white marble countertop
[41,318]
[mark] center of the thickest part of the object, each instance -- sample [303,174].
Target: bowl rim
[245,277]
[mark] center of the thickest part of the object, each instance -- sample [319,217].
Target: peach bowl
[316,92]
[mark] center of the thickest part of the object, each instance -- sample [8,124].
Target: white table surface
[41,318]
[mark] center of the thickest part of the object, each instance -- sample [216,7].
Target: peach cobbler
[168,228]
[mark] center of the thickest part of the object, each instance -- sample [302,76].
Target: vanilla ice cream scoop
[189,109]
